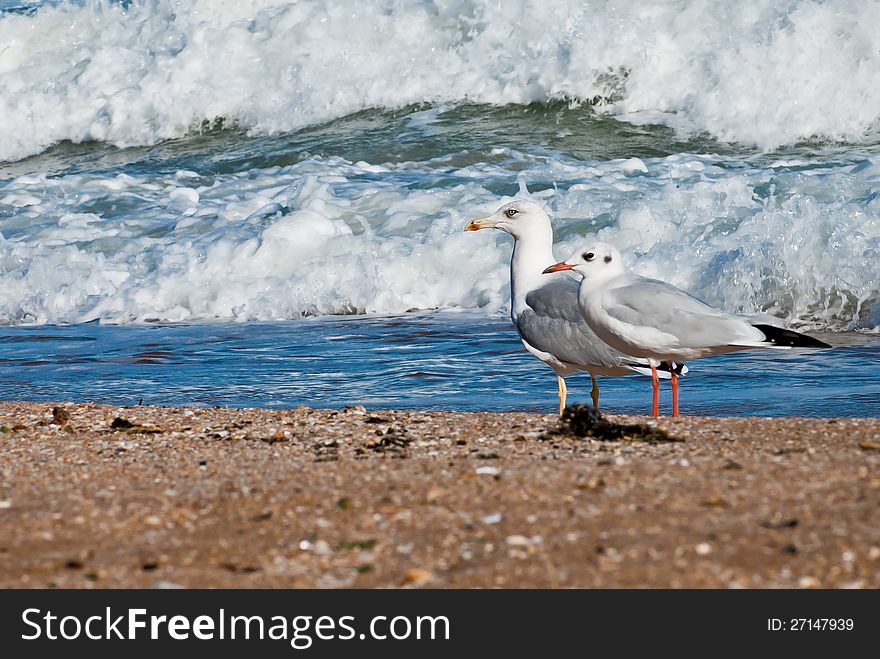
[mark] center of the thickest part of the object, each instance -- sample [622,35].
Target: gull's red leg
[655,381]
[674,378]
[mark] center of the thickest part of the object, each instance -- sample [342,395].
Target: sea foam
[328,236]
[756,72]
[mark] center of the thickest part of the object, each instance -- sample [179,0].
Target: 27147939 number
[810,624]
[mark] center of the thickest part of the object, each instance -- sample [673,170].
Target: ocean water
[262,202]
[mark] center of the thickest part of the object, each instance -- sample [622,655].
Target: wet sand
[97,496]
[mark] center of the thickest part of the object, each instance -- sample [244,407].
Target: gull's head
[595,261]
[518,218]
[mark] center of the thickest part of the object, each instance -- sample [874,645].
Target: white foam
[755,71]
[321,237]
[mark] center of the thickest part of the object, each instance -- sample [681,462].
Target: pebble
[488,471]
[322,548]
[518,541]
[491,519]
[417,577]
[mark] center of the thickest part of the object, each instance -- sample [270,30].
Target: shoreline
[100,496]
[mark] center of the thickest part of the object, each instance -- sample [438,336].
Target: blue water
[443,361]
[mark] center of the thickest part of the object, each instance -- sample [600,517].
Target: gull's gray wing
[651,303]
[553,323]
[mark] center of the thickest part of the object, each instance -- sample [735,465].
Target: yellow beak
[477,223]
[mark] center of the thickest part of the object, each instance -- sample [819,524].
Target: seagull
[656,321]
[545,313]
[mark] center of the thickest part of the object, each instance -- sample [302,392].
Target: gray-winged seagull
[545,313]
[656,321]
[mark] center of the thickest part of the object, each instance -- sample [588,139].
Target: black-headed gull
[656,321]
[545,313]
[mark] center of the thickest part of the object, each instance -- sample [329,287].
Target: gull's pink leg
[655,380]
[674,378]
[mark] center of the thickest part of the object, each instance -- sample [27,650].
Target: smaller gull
[545,313]
[654,320]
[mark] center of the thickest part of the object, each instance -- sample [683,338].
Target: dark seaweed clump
[584,421]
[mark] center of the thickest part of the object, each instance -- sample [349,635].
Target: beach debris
[326,450]
[786,450]
[239,569]
[521,546]
[262,517]
[392,440]
[703,549]
[494,518]
[870,446]
[365,545]
[121,424]
[715,501]
[487,471]
[585,421]
[416,577]
[789,523]
[60,416]
[5,504]
[274,438]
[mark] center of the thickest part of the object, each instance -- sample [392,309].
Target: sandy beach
[96,496]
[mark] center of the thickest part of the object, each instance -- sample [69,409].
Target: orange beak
[558,267]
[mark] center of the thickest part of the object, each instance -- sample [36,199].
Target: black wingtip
[677,367]
[785,337]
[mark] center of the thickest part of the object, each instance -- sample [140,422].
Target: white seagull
[545,313]
[656,321]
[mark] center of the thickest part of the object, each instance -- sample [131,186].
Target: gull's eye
[588,256]
[510,212]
